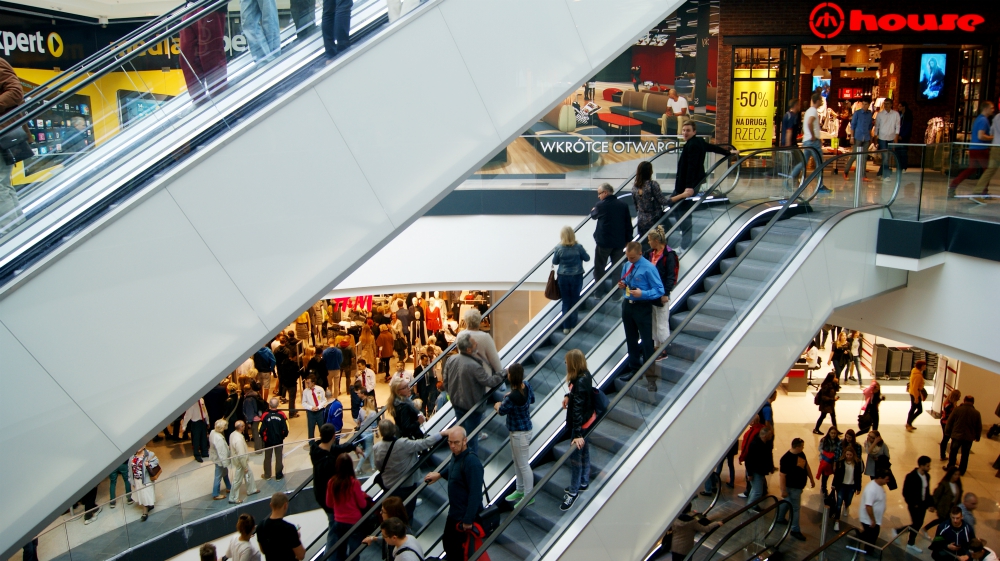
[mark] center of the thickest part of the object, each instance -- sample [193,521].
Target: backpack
[601,402]
[263,360]
[677,263]
[411,550]
[747,438]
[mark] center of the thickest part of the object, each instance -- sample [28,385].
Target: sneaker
[130,501]
[484,435]
[568,501]
[798,536]
[515,496]
[914,549]
[582,488]
[951,193]
[111,504]
[265,477]
[565,331]
[816,431]
[742,495]
[531,502]
[279,477]
[894,532]
[824,189]
[651,387]
[663,356]
[836,526]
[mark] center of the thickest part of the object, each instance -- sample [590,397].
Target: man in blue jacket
[612,231]
[465,484]
[861,130]
[642,285]
[333,359]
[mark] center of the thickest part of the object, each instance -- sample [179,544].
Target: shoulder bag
[14,146]
[378,476]
[552,287]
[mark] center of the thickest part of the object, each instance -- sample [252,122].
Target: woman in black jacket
[404,413]
[827,398]
[847,482]
[579,417]
[665,261]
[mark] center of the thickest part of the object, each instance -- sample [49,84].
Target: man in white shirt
[873,507]
[886,130]
[314,402]
[196,420]
[812,142]
[677,106]
[367,377]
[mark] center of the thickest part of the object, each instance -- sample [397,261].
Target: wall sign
[827,19]
[753,110]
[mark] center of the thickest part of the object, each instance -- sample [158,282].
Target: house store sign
[827,20]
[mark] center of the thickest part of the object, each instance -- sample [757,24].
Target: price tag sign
[753,109]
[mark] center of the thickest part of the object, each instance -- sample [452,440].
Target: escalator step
[702,325]
[765,251]
[784,236]
[743,289]
[688,347]
[719,306]
[750,268]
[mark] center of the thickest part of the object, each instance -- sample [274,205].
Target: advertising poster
[753,112]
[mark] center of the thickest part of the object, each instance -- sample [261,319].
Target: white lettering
[22,42]
[239,43]
[9,42]
[38,38]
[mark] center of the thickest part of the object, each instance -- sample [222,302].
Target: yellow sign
[55,44]
[753,111]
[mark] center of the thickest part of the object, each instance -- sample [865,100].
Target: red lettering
[892,22]
[970,21]
[930,22]
[948,22]
[857,18]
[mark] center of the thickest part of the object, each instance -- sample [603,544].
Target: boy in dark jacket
[917,494]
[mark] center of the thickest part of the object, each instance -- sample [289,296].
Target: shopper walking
[367,351]
[218,452]
[277,538]
[384,343]
[964,426]
[241,547]
[690,174]
[264,362]
[259,20]
[580,416]
[829,454]
[11,96]
[947,495]
[121,470]
[846,483]
[349,503]
[203,55]
[465,487]
[647,197]
[873,503]
[334,358]
[917,494]
[408,420]
[760,462]
[840,357]
[516,407]
[336,26]
[979,150]
[873,398]
[794,469]
[467,382]
[195,420]
[142,466]
[643,287]
[612,231]
[952,538]
[856,342]
[273,431]
[569,256]
[397,457]
[812,143]
[915,388]
[947,408]
[969,504]
[876,449]
[314,403]
[240,459]
[983,186]
[826,399]
[886,130]
[861,130]
[667,265]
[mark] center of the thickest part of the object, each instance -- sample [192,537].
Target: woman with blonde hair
[665,261]
[218,452]
[366,345]
[404,413]
[569,256]
[580,416]
[232,408]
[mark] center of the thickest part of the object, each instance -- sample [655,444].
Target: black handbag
[14,146]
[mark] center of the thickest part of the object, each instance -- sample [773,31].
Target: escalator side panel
[726,393]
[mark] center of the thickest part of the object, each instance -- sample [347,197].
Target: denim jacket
[570,259]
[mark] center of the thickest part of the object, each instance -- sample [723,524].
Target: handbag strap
[385,460]
[400,550]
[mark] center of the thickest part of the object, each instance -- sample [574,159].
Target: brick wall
[723,101]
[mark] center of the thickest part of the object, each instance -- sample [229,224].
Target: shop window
[970,91]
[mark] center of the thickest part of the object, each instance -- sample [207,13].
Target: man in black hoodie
[690,174]
[917,494]
[612,232]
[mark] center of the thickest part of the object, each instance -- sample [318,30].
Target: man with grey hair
[467,380]
[612,232]
[486,349]
[969,503]
[396,457]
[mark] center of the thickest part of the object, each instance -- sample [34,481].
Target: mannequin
[418,327]
[435,315]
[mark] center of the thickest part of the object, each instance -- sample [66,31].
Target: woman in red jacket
[344,495]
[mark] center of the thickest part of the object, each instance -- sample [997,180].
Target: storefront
[940,60]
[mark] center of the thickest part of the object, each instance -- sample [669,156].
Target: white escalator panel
[113,335]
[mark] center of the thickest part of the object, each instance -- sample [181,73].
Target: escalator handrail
[108,66]
[818,173]
[682,385]
[99,57]
[489,417]
[846,529]
[757,516]
[717,483]
[701,541]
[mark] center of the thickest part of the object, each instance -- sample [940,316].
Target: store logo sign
[826,20]
[30,43]
[914,22]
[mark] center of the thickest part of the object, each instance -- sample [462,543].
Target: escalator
[181,240]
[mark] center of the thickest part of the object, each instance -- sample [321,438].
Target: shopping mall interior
[408,216]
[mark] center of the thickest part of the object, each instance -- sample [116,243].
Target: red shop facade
[853,49]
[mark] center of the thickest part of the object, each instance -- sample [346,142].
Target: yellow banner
[753,112]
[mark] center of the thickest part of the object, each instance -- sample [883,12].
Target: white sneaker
[914,549]
[836,526]
[742,495]
[895,533]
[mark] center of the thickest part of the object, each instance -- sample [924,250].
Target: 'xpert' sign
[31,43]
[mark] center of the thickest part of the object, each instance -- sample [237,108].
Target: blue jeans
[569,286]
[339,530]
[579,462]
[336,26]
[472,422]
[709,488]
[810,149]
[260,27]
[758,484]
[794,497]
[845,494]
[857,369]
[221,474]
[884,145]
[313,420]
[331,536]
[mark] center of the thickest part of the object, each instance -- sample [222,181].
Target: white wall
[983,385]
[951,309]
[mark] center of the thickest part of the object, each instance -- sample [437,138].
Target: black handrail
[717,482]
[704,538]
[757,516]
[673,335]
[846,529]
